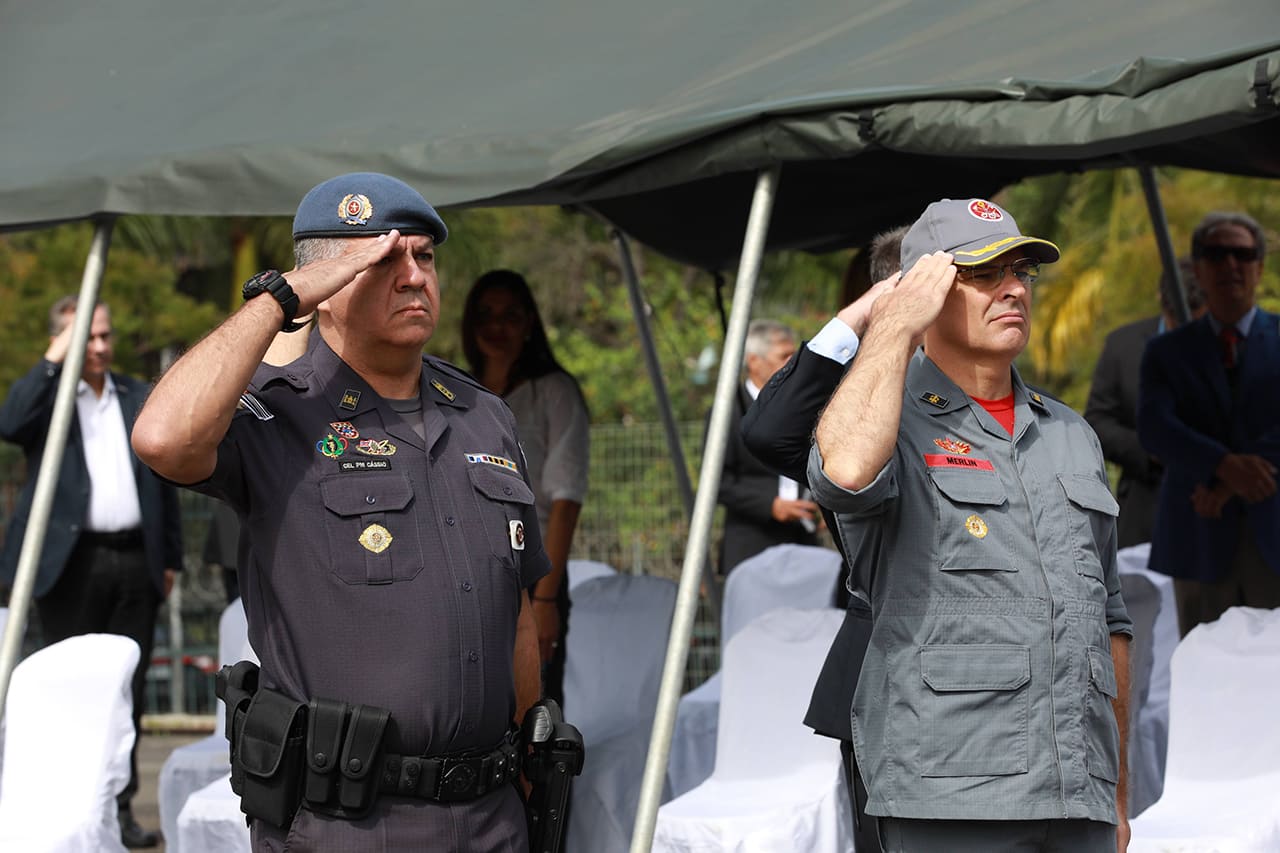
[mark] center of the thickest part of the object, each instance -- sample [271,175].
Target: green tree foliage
[148,314]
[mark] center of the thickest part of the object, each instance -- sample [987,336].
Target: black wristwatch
[270,281]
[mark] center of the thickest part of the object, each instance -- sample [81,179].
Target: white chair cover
[613,667]
[4,619]
[70,719]
[776,785]
[801,576]
[211,820]
[1223,771]
[1149,718]
[585,570]
[190,768]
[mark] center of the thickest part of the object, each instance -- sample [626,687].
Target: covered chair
[1223,771]
[211,821]
[613,666]
[777,787]
[190,768]
[70,731]
[585,570]
[801,576]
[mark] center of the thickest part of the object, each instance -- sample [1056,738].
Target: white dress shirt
[113,491]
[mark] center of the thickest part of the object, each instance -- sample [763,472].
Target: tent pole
[641,311]
[56,441]
[695,553]
[1177,293]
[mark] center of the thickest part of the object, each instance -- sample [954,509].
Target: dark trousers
[106,589]
[996,836]
[1249,582]
[865,837]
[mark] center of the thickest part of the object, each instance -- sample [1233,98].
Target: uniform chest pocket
[373,535]
[971,534]
[503,499]
[1091,513]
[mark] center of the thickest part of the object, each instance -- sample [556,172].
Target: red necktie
[1229,339]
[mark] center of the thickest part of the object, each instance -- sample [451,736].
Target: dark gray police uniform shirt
[375,569]
[986,691]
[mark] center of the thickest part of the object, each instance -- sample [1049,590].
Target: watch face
[258,284]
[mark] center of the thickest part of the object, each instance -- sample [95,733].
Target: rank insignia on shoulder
[375,538]
[251,404]
[350,399]
[332,446]
[952,446]
[489,459]
[976,526]
[345,429]
[376,447]
[516,528]
[444,392]
[934,399]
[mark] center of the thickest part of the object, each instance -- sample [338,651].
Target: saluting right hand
[317,281]
[915,301]
[60,343]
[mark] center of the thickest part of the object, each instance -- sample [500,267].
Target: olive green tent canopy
[655,115]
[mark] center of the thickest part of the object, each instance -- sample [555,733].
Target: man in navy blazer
[1208,409]
[115,538]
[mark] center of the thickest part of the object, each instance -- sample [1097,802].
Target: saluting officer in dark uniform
[390,533]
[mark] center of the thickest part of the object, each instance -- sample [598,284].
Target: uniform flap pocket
[272,719]
[975,667]
[968,486]
[495,485]
[1089,493]
[1102,672]
[361,494]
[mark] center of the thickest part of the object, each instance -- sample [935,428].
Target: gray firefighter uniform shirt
[383,554]
[990,564]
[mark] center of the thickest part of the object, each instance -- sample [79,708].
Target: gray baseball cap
[973,231]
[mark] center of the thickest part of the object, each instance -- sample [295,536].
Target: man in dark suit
[762,508]
[778,429]
[1207,408]
[1112,410]
[114,539]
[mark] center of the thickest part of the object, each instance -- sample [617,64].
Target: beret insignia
[355,209]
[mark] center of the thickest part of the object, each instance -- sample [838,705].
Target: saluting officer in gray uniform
[390,532]
[975,512]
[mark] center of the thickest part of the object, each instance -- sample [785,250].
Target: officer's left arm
[1120,658]
[527,664]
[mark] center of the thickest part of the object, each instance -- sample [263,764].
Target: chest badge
[375,538]
[376,447]
[345,429]
[516,529]
[490,459]
[976,526]
[952,446]
[332,446]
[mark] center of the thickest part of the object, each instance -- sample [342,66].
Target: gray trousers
[901,835]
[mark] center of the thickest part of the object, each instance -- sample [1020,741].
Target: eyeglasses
[1025,270]
[1218,254]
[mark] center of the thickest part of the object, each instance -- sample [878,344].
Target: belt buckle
[457,780]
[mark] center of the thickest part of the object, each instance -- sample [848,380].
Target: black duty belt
[448,779]
[118,539]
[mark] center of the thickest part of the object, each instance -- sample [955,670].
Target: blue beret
[366,204]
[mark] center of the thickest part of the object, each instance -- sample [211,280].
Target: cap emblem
[355,209]
[985,210]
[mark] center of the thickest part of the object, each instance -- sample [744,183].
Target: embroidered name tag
[364,465]
[946,460]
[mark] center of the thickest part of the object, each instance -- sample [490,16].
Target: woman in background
[506,347]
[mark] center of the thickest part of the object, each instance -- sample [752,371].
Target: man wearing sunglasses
[976,515]
[1207,408]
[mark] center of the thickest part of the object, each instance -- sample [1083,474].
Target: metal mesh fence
[632,519]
